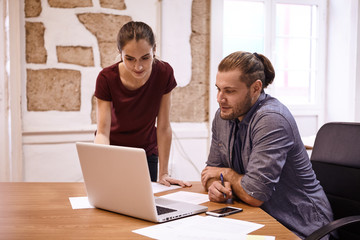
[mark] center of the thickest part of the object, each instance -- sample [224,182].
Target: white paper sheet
[158,187]
[80,202]
[189,197]
[199,227]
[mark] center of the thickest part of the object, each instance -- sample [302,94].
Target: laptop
[117,179]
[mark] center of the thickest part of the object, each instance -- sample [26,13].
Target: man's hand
[210,177]
[167,181]
[219,193]
[211,172]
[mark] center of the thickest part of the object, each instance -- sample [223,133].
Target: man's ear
[257,86]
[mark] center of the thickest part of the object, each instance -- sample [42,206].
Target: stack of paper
[199,227]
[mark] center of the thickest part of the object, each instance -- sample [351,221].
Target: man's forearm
[235,180]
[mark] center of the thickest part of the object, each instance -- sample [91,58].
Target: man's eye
[130,59]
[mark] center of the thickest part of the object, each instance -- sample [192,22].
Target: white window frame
[11,162]
[316,110]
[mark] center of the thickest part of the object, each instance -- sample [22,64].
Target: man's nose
[220,98]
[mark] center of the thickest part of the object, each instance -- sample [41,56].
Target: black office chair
[336,161]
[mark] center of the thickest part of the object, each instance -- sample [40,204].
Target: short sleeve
[171,83]
[102,90]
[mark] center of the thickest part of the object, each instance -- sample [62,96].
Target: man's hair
[252,66]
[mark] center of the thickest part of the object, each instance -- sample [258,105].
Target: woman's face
[138,57]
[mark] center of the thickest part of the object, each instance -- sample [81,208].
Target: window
[291,33]
[296,40]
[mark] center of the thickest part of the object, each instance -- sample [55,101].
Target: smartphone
[224,211]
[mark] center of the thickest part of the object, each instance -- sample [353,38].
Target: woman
[134,94]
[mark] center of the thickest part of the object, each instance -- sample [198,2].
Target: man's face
[234,97]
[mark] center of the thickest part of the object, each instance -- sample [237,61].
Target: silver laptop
[117,179]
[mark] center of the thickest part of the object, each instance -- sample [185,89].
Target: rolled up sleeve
[272,138]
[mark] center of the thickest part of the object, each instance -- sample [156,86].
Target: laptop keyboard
[163,210]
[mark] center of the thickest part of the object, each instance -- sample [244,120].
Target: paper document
[80,202]
[189,197]
[158,187]
[199,227]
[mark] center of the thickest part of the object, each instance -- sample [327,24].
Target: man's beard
[239,110]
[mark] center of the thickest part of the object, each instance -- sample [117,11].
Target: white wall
[52,156]
[49,152]
[58,32]
[357,90]
[343,78]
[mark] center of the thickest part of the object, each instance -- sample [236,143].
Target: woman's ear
[120,56]
[154,50]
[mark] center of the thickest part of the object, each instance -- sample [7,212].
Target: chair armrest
[328,228]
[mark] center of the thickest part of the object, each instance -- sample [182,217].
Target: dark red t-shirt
[134,112]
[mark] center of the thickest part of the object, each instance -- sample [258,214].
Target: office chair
[336,161]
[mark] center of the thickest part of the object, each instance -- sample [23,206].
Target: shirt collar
[252,110]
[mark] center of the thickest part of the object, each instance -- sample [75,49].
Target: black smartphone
[225,211]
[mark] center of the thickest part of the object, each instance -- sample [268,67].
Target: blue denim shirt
[277,167]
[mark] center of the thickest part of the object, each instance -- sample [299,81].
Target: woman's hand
[166,180]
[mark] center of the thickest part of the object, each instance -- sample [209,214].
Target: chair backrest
[336,161]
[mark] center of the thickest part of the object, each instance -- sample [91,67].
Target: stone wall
[35,50]
[191,103]
[105,28]
[53,89]
[60,88]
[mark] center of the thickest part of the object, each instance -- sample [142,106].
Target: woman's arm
[103,121]
[164,137]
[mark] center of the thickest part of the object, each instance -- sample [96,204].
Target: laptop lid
[117,179]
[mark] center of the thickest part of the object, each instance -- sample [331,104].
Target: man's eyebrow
[226,88]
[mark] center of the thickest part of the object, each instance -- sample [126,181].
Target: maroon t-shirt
[134,112]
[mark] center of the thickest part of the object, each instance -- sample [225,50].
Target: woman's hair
[253,66]
[135,30]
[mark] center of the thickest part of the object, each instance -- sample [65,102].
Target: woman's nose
[138,66]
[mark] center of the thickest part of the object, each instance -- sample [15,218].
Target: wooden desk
[43,211]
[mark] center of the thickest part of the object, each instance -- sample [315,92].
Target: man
[257,148]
